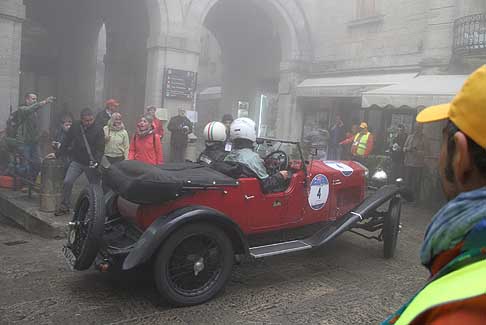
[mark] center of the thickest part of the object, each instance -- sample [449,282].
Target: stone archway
[242,79]
[131,28]
[286,14]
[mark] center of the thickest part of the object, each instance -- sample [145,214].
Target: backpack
[13,123]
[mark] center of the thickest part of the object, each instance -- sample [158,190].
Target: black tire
[85,238]
[183,250]
[391,227]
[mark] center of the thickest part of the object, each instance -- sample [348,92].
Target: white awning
[421,91]
[351,86]
[210,93]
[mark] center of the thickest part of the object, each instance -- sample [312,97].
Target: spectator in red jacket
[145,145]
[158,124]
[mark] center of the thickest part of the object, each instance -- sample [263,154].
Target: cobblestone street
[346,282]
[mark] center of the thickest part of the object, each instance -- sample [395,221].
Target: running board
[318,239]
[324,235]
[279,248]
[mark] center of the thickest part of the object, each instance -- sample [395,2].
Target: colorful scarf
[461,220]
[452,224]
[149,131]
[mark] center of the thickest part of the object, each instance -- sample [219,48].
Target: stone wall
[12,13]
[390,38]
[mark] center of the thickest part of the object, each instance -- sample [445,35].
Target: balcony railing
[470,35]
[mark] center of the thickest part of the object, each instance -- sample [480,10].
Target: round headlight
[380,176]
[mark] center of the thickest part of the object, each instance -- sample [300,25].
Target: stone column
[12,14]
[176,51]
[169,51]
[438,35]
[290,116]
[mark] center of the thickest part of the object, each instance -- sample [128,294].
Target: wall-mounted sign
[180,84]
[162,114]
[243,108]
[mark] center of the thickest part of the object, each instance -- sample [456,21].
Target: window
[365,8]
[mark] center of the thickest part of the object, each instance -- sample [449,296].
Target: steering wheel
[276,161]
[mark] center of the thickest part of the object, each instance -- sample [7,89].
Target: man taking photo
[88,141]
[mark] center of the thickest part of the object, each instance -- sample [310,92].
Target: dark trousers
[74,171]
[414,181]
[178,152]
[32,156]
[397,171]
[334,153]
[111,160]
[362,160]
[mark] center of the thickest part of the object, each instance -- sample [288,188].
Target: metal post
[52,179]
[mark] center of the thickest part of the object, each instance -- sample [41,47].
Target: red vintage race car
[193,222]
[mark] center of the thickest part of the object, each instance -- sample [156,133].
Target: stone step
[24,211]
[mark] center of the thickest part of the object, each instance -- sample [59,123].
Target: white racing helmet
[243,128]
[215,131]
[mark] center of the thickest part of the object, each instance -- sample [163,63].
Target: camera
[56,144]
[93,164]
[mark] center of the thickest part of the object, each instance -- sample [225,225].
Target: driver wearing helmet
[243,135]
[215,136]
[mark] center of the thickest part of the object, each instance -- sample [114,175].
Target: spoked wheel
[86,228]
[193,265]
[391,226]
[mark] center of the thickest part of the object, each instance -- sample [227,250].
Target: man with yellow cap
[454,247]
[362,144]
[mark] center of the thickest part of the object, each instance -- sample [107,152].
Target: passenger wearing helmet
[243,135]
[215,136]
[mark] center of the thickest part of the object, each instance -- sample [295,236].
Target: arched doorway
[127,30]
[250,58]
[73,62]
[259,41]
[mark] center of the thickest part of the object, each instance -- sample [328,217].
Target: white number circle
[319,192]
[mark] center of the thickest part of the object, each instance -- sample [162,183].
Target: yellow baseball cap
[467,110]
[363,125]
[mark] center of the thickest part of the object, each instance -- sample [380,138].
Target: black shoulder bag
[104,163]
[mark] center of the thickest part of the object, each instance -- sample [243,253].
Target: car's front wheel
[193,264]
[391,227]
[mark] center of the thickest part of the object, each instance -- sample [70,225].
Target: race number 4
[319,192]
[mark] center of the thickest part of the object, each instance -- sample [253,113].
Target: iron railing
[470,35]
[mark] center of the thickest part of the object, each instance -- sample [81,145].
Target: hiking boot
[61,211]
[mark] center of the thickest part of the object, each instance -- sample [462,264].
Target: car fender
[164,226]
[384,194]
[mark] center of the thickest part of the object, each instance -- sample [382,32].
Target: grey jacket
[250,159]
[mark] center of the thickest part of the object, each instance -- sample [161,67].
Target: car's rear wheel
[193,265]
[86,228]
[391,227]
